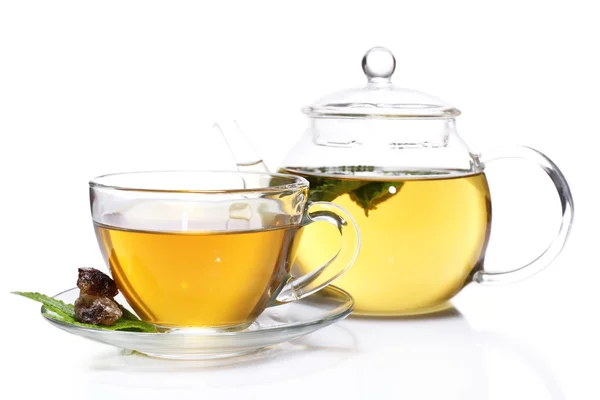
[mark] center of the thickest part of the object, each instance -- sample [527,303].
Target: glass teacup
[211,249]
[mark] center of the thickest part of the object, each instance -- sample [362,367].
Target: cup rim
[296,182]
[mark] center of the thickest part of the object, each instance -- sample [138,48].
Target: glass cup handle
[305,285]
[566,201]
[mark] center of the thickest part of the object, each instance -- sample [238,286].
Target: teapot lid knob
[378,64]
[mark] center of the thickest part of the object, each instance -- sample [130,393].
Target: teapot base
[440,310]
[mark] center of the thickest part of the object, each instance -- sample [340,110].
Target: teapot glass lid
[380,98]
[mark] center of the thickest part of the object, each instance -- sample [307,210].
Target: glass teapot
[392,157]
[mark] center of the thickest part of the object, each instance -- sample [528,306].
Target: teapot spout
[243,152]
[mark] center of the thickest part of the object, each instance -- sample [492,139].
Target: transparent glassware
[275,325]
[211,250]
[394,159]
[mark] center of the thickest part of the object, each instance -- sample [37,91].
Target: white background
[88,88]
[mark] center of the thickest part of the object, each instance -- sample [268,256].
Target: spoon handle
[244,154]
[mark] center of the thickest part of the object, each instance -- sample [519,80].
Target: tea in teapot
[422,234]
[392,157]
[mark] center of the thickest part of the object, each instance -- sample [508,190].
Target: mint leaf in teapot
[327,188]
[365,191]
[372,194]
[330,189]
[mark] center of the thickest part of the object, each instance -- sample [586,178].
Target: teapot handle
[244,154]
[566,200]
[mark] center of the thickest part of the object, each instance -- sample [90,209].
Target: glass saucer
[275,325]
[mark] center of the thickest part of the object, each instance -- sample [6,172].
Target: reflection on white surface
[413,358]
[529,367]
[118,370]
[441,356]
[428,357]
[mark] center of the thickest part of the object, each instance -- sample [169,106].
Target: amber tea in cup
[210,249]
[226,277]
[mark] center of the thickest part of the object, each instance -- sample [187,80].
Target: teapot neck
[395,133]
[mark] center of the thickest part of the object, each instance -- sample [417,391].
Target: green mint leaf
[120,325]
[330,189]
[66,313]
[52,304]
[372,194]
[133,325]
[366,193]
[128,315]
